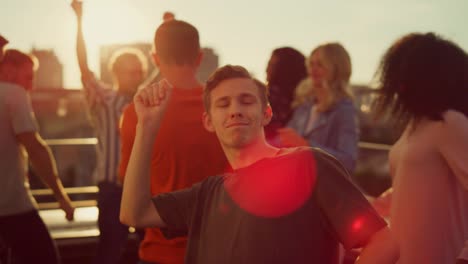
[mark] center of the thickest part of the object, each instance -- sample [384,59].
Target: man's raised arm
[137,208]
[80,43]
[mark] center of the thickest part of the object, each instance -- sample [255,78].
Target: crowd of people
[236,170]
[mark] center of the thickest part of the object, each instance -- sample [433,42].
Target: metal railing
[94,189]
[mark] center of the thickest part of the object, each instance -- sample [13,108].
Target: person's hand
[77,6]
[67,207]
[290,138]
[151,103]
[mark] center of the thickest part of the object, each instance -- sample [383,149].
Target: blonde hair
[337,62]
[303,93]
[121,55]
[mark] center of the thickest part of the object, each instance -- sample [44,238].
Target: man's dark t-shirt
[293,208]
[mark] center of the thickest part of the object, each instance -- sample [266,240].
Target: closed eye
[223,102]
[248,99]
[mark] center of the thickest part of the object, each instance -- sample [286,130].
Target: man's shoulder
[11,88]
[320,159]
[91,81]
[215,180]
[13,94]
[305,151]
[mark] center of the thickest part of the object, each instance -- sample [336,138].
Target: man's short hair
[121,55]
[232,72]
[177,41]
[17,59]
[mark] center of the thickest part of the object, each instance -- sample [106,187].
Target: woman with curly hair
[424,84]
[285,70]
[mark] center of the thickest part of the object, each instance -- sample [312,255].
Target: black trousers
[28,238]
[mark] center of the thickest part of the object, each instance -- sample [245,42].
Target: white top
[16,116]
[105,106]
[429,214]
[313,117]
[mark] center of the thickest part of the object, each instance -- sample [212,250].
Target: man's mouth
[237,124]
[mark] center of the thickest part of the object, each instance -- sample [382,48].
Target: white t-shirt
[16,116]
[429,214]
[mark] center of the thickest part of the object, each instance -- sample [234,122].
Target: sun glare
[109,22]
[105,25]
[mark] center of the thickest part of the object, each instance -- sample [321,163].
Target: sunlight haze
[241,32]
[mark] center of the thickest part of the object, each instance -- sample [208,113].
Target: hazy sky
[241,32]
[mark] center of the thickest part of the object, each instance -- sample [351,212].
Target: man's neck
[182,77]
[183,81]
[248,155]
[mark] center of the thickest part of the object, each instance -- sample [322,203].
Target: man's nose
[235,110]
[236,115]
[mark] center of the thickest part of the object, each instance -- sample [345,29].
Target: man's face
[236,113]
[129,75]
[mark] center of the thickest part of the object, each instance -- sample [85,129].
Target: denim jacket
[336,131]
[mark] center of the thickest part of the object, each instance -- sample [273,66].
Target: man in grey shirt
[276,205]
[19,218]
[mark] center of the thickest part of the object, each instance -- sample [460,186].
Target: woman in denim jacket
[329,120]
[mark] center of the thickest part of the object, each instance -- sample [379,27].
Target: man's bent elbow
[126,219]
[138,220]
[129,217]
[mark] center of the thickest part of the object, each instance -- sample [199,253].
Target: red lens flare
[273,188]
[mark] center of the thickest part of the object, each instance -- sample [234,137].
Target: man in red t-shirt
[183,147]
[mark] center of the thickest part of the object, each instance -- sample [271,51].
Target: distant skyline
[241,32]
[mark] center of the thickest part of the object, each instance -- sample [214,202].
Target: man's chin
[238,143]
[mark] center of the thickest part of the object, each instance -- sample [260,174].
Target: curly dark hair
[228,72]
[285,70]
[422,76]
[289,68]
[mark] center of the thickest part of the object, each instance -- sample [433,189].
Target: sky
[241,32]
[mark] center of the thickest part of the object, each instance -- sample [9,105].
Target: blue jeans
[113,234]
[28,238]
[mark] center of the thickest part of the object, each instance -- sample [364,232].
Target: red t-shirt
[184,153]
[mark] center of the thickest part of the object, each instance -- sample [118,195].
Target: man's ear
[207,122]
[267,115]
[156,59]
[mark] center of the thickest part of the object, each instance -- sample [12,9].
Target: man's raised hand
[151,103]
[77,6]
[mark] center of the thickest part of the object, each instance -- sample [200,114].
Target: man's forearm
[43,164]
[81,48]
[137,208]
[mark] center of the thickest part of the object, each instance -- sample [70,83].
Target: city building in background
[49,75]
[208,65]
